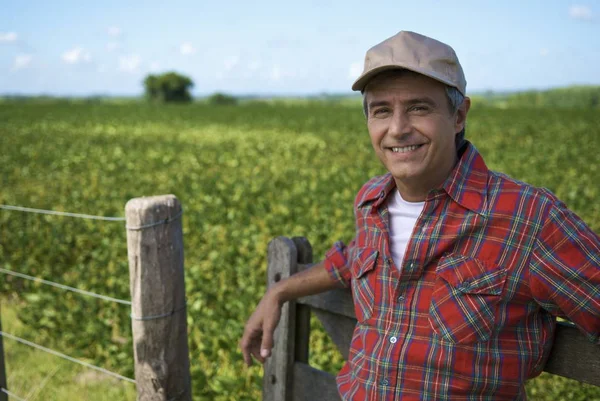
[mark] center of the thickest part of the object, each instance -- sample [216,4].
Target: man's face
[412,128]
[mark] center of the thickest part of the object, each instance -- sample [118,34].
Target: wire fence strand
[68,358]
[157,223]
[13,395]
[55,213]
[64,287]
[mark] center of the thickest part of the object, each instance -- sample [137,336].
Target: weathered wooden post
[302,336]
[155,250]
[277,380]
[3,385]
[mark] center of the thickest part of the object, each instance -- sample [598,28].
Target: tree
[222,99]
[168,87]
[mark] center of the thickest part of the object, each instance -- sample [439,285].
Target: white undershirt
[403,217]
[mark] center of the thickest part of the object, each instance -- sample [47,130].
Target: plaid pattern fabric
[471,313]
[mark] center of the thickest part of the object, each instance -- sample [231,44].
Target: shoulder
[503,187]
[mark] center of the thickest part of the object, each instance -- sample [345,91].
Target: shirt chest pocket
[465,299]
[364,282]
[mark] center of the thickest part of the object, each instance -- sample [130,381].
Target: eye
[419,108]
[381,112]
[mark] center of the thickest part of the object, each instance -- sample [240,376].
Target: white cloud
[187,49]
[355,70]
[544,52]
[8,37]
[580,12]
[254,65]
[251,69]
[22,61]
[111,46]
[276,73]
[130,63]
[114,31]
[76,55]
[231,62]
[154,66]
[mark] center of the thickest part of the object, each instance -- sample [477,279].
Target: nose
[399,124]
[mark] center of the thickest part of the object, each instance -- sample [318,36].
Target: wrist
[278,292]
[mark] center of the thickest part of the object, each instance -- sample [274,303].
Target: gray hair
[455,100]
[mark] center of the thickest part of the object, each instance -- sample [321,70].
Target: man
[457,272]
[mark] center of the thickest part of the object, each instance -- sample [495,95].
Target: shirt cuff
[336,263]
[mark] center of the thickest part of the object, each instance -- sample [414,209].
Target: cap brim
[363,80]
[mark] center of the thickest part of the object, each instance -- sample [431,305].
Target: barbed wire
[89,216]
[13,395]
[157,223]
[55,213]
[161,316]
[68,358]
[77,290]
[64,287]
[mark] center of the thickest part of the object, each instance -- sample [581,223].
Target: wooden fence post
[3,395]
[155,251]
[277,380]
[302,336]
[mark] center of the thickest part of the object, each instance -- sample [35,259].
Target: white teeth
[405,149]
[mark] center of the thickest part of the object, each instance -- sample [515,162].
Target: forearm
[311,281]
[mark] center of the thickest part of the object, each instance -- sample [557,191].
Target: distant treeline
[569,97]
[587,97]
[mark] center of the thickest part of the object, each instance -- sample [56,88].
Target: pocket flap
[472,276]
[366,259]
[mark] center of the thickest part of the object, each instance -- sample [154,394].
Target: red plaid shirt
[471,313]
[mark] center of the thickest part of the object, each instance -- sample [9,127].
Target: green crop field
[244,174]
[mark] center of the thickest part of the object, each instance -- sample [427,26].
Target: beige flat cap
[415,52]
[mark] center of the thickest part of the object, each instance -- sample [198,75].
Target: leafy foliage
[244,175]
[35,375]
[168,87]
[222,99]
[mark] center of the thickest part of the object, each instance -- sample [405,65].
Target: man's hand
[257,340]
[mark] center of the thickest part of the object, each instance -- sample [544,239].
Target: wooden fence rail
[289,377]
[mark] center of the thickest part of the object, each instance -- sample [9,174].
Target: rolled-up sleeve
[337,262]
[565,270]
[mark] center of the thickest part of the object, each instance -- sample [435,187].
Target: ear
[461,115]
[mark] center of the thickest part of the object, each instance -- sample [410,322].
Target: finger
[254,349]
[246,346]
[246,355]
[267,339]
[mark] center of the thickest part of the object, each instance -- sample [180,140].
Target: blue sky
[280,47]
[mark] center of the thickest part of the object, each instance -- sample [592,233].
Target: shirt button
[384,382]
[401,298]
[393,340]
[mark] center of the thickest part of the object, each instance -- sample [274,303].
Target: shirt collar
[377,190]
[466,184]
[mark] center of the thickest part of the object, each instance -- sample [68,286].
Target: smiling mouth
[405,149]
